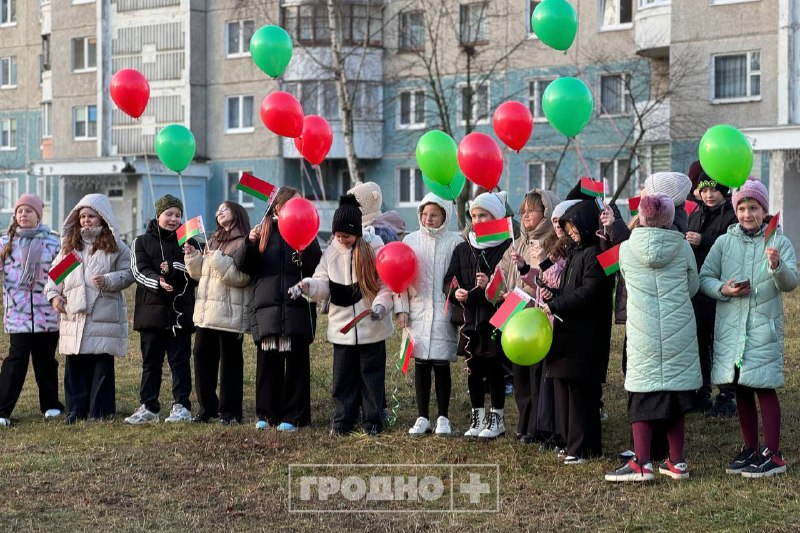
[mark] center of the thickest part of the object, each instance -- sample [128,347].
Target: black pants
[178,349]
[41,348]
[422,385]
[218,354]
[491,369]
[705,345]
[283,385]
[578,407]
[359,378]
[89,385]
[527,381]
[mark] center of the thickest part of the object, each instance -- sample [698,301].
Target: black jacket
[273,313]
[156,308]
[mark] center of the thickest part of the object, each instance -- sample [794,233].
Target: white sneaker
[421,427]
[496,426]
[5,422]
[141,416]
[442,426]
[52,413]
[574,460]
[179,414]
[478,422]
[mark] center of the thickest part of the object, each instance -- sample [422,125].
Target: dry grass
[205,477]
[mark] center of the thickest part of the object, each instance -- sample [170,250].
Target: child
[746,276]
[282,327]
[422,309]
[346,272]
[711,220]
[92,307]
[28,250]
[471,265]
[163,313]
[220,316]
[663,370]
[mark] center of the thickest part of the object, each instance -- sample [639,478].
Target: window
[46,52]
[531,6]
[8,195]
[84,54]
[474,23]
[8,11]
[238,114]
[412,31]
[542,175]
[616,14]
[232,193]
[411,112]
[615,96]
[8,134]
[8,72]
[614,172]
[237,37]
[308,23]
[644,4]
[316,97]
[478,112]
[47,119]
[411,185]
[737,76]
[535,91]
[84,122]
[44,189]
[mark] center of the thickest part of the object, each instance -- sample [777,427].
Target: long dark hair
[241,221]
[105,241]
[283,195]
[12,230]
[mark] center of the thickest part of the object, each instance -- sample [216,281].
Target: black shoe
[723,407]
[71,418]
[747,456]
[765,464]
[201,419]
[225,421]
[527,439]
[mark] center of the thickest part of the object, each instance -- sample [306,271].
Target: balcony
[652,28]
[368,141]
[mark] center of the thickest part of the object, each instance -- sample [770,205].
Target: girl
[92,307]
[346,272]
[746,276]
[220,316]
[422,310]
[282,328]
[663,370]
[471,265]
[163,313]
[27,250]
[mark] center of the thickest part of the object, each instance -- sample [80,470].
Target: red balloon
[396,264]
[513,124]
[130,91]
[480,159]
[316,140]
[298,223]
[282,114]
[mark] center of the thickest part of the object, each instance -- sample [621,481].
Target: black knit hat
[347,217]
[704,180]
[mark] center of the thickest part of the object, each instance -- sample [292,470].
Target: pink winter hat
[656,211]
[754,189]
[32,201]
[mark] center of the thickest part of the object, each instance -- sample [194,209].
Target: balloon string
[155,209]
[392,418]
[466,344]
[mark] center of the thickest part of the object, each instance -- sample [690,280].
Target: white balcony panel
[652,30]
[656,121]
[368,140]
[309,64]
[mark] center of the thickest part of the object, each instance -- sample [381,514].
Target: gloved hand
[296,291]
[378,312]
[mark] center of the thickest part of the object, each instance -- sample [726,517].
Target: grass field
[109,476]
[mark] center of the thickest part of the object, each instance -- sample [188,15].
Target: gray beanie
[560,209]
[674,184]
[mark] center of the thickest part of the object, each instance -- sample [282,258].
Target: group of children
[251,280]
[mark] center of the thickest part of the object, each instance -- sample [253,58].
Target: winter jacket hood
[447,208]
[656,247]
[99,203]
[586,219]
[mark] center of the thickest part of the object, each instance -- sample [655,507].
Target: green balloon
[447,192]
[271,48]
[527,337]
[726,155]
[568,105]
[555,23]
[175,147]
[437,156]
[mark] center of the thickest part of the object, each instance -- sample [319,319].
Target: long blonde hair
[364,263]
[12,230]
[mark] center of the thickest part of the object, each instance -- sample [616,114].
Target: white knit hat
[493,202]
[370,198]
[673,184]
[560,209]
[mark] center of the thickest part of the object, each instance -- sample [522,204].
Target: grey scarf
[31,246]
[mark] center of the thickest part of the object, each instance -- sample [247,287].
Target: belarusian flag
[494,230]
[591,187]
[690,207]
[516,301]
[263,190]
[609,260]
[192,228]
[406,350]
[60,272]
[772,227]
[496,286]
[633,204]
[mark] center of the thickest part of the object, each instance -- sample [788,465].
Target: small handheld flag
[591,187]
[60,272]
[497,285]
[690,207]
[192,228]
[494,230]
[261,189]
[633,205]
[609,260]
[515,301]
[406,350]
[772,227]
[359,317]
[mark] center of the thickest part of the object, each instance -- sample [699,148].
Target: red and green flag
[406,350]
[497,285]
[690,207]
[192,228]
[515,302]
[261,189]
[591,187]
[633,204]
[494,230]
[772,227]
[60,272]
[358,318]
[609,260]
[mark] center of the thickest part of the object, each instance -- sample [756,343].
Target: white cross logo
[475,488]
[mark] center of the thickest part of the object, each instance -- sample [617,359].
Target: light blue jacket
[661,277]
[750,327]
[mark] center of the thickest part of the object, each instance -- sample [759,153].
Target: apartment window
[358,23]
[238,114]
[44,189]
[47,119]
[541,175]
[412,30]
[8,72]
[84,54]
[614,173]
[616,13]
[528,23]
[411,185]
[46,52]
[8,11]
[8,134]
[644,4]
[737,76]
[474,23]
[232,193]
[536,89]
[615,97]
[316,97]
[8,195]
[237,37]
[478,112]
[411,111]
[84,122]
